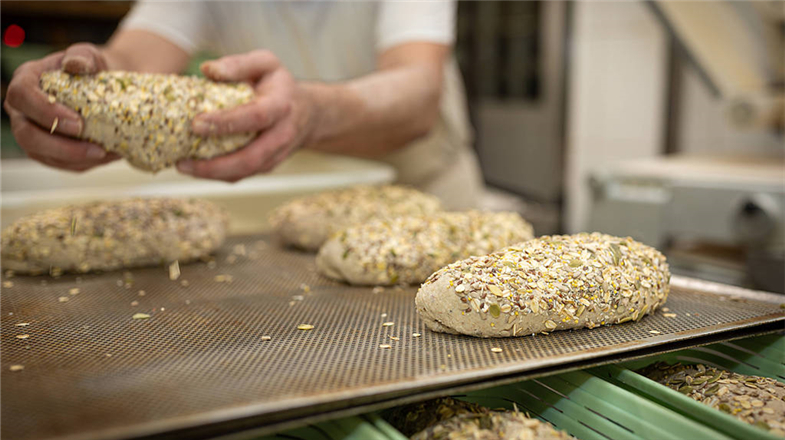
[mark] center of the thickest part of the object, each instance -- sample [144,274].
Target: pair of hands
[282,113]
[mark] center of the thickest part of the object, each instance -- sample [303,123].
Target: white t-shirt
[336,41]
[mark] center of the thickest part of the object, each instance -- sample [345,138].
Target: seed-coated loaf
[756,400]
[307,222]
[113,235]
[550,283]
[407,250]
[492,425]
[146,117]
[411,419]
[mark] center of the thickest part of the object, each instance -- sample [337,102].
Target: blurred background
[658,120]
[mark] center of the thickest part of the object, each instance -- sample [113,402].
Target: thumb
[83,58]
[248,66]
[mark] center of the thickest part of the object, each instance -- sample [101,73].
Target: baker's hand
[46,130]
[281,112]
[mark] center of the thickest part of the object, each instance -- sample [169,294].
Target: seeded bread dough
[756,400]
[492,425]
[411,419]
[307,222]
[113,235]
[146,117]
[550,283]
[406,250]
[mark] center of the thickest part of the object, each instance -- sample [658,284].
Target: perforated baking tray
[199,365]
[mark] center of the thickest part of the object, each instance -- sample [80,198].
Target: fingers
[243,67]
[261,155]
[56,149]
[83,58]
[25,96]
[255,116]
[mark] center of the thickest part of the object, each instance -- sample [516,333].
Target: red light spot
[14,36]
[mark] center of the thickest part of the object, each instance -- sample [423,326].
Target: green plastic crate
[367,427]
[590,408]
[757,356]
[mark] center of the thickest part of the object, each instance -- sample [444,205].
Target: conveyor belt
[92,371]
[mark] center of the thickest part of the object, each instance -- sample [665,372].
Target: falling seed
[385,346]
[388,324]
[305,327]
[654,332]
[63,299]
[142,293]
[22,336]
[669,315]
[416,335]
[496,350]
[162,309]
[266,338]
[134,303]
[140,316]
[174,270]
[54,125]
[22,324]
[8,284]
[74,291]
[16,367]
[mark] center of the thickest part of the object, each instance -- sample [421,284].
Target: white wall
[616,95]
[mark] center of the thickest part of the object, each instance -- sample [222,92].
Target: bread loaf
[406,250]
[113,235]
[307,222]
[550,283]
[492,425]
[146,117]
[756,400]
[411,419]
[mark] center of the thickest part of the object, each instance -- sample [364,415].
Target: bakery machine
[718,215]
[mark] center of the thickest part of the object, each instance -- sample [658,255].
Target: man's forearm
[375,114]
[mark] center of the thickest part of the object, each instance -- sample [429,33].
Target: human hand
[45,130]
[282,113]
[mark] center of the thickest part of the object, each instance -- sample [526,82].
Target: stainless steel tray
[200,365]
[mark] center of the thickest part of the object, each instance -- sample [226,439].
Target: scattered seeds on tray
[142,293]
[388,324]
[16,367]
[22,336]
[385,346]
[378,289]
[184,283]
[305,288]
[134,303]
[416,335]
[654,332]
[73,291]
[22,324]
[305,327]
[395,338]
[266,338]
[174,270]
[63,299]
[496,350]
[8,284]
[669,315]
[223,278]
[140,316]
[298,298]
